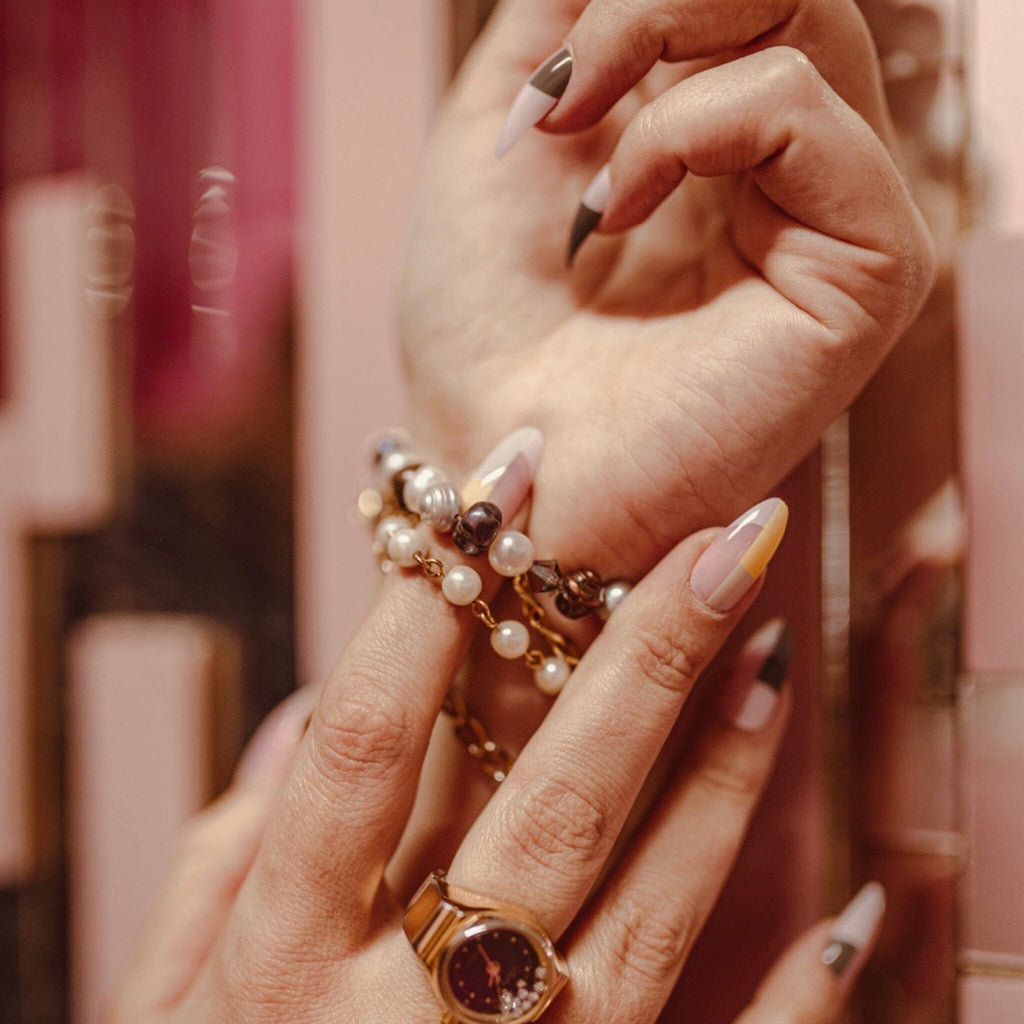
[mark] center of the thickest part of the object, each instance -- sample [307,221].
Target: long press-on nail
[751,695]
[504,478]
[588,216]
[738,555]
[536,99]
[854,930]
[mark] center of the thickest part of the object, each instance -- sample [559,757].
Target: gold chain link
[473,735]
[537,619]
[471,732]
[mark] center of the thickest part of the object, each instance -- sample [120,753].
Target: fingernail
[854,930]
[504,478]
[536,99]
[751,697]
[738,555]
[270,752]
[588,216]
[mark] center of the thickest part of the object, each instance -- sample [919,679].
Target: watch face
[495,971]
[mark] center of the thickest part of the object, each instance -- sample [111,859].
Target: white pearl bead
[424,477]
[551,676]
[391,464]
[461,585]
[403,546]
[511,553]
[612,596]
[510,639]
[385,528]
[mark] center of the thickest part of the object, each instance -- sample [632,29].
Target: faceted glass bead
[544,576]
[477,527]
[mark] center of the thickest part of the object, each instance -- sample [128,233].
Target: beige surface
[372,75]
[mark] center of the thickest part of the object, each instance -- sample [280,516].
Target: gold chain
[471,732]
[473,735]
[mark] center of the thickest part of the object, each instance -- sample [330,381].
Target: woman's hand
[714,326]
[277,909]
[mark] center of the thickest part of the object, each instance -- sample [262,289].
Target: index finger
[613,45]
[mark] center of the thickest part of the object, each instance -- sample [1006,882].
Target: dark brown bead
[570,607]
[544,576]
[400,479]
[477,527]
[584,586]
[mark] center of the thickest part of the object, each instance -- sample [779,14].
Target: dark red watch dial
[495,971]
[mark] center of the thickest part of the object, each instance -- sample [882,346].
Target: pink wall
[995,82]
[372,74]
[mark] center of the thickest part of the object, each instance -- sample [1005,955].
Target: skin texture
[758,257]
[699,348]
[277,910]
[684,367]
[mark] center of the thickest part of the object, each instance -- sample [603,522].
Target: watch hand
[493,968]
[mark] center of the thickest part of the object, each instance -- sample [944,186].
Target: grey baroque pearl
[439,506]
[417,484]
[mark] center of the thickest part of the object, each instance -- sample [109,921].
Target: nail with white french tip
[751,697]
[505,476]
[536,99]
[591,209]
[855,930]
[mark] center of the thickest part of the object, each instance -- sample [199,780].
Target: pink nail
[737,556]
[505,477]
[854,931]
[270,752]
[751,696]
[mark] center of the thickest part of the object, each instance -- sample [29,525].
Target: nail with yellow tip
[737,556]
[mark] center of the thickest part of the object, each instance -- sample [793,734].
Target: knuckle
[557,828]
[730,777]
[660,658]
[270,977]
[649,937]
[366,737]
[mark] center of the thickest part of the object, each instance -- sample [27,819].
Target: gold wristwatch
[489,961]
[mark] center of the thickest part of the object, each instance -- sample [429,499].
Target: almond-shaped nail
[536,99]
[505,477]
[751,696]
[588,215]
[270,752]
[854,931]
[737,556]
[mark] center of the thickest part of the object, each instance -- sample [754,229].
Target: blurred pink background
[204,206]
